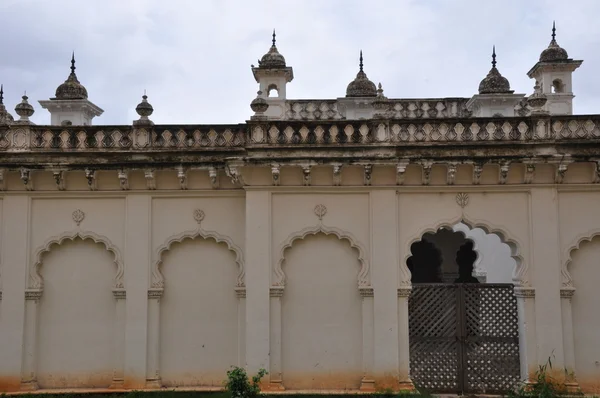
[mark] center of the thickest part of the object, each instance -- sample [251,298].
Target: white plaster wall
[198,323]
[585,270]
[321,321]
[76,316]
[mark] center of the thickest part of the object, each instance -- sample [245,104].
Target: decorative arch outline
[36,280]
[519,273]
[363,275]
[158,280]
[567,279]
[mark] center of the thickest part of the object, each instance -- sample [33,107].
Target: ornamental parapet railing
[122,138]
[405,132]
[437,108]
[330,133]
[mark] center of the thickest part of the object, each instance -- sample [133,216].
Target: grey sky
[193,57]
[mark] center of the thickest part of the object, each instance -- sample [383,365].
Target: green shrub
[239,386]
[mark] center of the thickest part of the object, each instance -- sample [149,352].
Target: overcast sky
[194,57]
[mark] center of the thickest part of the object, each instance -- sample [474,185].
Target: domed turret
[361,86]
[272,59]
[71,88]
[554,52]
[5,117]
[494,82]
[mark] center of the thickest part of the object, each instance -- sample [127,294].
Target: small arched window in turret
[272,91]
[558,86]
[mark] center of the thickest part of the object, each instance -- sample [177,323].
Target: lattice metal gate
[464,337]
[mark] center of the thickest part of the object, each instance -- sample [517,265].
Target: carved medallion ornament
[462,199]
[78,216]
[198,216]
[320,211]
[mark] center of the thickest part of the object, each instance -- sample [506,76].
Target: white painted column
[384,276]
[367,382]
[258,276]
[29,372]
[276,294]
[404,339]
[241,296]
[566,294]
[119,339]
[546,270]
[527,335]
[15,249]
[137,259]
[153,361]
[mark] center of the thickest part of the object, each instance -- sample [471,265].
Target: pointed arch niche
[520,278]
[34,296]
[191,240]
[579,304]
[317,244]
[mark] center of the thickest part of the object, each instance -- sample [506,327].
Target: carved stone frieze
[276,291]
[567,292]
[213,175]
[240,292]
[26,178]
[529,173]
[451,173]
[150,179]
[477,169]
[401,171]
[33,294]
[337,174]
[155,294]
[119,294]
[561,170]
[306,180]
[366,291]
[404,292]
[182,177]
[426,176]
[524,292]
[368,168]
[90,176]
[124,179]
[59,179]
[504,168]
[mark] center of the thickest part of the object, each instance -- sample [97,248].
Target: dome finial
[361,61]
[73,62]
[1,94]
[494,57]
[553,30]
[273,37]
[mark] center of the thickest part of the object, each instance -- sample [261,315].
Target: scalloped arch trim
[567,279]
[363,275]
[519,273]
[158,281]
[36,280]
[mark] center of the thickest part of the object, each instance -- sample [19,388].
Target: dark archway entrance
[464,334]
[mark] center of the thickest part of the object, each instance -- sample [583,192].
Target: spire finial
[494,57]
[553,30]
[73,62]
[1,94]
[361,61]
[273,37]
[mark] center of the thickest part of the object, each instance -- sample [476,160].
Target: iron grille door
[434,345]
[491,344]
[464,337]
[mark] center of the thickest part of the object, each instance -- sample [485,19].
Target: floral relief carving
[364,273]
[35,278]
[462,199]
[320,211]
[78,216]
[198,216]
[158,280]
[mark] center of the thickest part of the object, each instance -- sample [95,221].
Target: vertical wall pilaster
[384,276]
[241,296]
[276,294]
[404,339]
[527,335]
[367,382]
[119,339]
[29,371]
[566,294]
[153,365]
[546,267]
[137,259]
[258,276]
[15,247]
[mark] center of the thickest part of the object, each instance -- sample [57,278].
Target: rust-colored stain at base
[10,383]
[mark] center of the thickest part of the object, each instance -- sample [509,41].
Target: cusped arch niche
[363,275]
[158,280]
[520,273]
[37,282]
[567,279]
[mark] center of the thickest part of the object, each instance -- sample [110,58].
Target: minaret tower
[272,76]
[553,73]
[71,106]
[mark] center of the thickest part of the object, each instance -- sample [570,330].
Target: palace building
[356,243]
